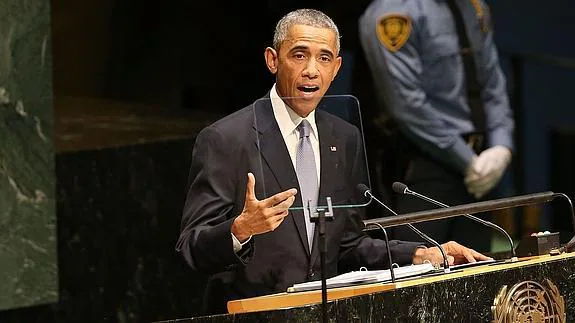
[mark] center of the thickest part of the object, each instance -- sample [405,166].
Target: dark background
[120,198]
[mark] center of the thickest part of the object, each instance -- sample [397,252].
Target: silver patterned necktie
[307,176]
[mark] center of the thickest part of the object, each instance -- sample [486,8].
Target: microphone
[403,189]
[365,191]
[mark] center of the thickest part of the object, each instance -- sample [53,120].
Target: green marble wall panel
[28,262]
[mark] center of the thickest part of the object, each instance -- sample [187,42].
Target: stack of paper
[364,277]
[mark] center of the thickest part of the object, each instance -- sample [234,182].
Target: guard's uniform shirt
[413,51]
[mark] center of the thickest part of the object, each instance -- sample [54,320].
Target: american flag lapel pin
[333,148]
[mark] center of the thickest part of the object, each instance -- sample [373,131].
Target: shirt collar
[286,118]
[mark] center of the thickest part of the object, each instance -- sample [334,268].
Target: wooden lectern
[534,289]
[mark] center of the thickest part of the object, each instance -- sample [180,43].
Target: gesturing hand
[262,216]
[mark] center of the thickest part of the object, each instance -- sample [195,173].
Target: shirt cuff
[501,137]
[462,155]
[237,244]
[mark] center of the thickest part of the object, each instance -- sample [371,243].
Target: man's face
[305,65]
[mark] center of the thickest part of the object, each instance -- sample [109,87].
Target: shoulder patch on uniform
[393,30]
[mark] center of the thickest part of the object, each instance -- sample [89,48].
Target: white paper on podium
[364,277]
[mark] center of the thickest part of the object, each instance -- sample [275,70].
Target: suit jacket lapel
[329,168]
[276,156]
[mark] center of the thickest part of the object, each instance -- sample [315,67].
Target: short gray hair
[307,17]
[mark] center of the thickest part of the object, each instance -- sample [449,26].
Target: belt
[475,141]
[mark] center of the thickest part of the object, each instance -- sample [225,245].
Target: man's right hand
[261,216]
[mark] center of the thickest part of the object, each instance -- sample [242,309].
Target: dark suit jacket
[250,141]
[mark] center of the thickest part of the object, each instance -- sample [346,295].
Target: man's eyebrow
[328,52]
[299,47]
[306,48]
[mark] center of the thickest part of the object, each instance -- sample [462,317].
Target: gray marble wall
[28,268]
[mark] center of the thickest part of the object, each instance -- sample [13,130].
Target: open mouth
[308,88]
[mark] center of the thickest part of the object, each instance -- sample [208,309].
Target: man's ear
[338,61]
[271,57]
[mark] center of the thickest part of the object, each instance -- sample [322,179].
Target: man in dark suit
[254,246]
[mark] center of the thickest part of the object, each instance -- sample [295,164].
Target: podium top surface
[290,300]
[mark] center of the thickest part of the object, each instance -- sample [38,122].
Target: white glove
[486,170]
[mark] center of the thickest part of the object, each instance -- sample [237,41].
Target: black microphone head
[399,187]
[362,189]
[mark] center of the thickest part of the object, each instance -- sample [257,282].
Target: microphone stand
[446,268]
[388,251]
[319,217]
[569,245]
[486,223]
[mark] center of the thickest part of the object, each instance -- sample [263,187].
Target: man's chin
[303,106]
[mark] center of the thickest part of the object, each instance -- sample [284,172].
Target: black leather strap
[470,67]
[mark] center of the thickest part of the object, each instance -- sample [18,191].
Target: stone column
[28,264]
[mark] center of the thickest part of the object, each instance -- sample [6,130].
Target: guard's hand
[456,254]
[488,169]
[262,216]
[472,171]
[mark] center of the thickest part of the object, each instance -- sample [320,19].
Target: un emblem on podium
[529,301]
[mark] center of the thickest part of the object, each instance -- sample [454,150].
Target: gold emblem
[480,12]
[529,301]
[393,31]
